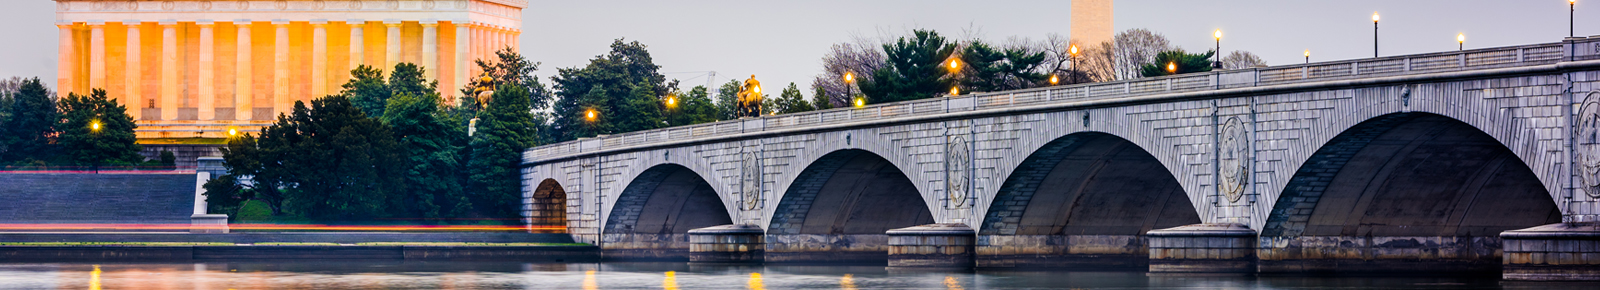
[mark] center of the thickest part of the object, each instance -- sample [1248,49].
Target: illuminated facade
[195,69]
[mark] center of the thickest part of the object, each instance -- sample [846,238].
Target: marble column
[358,44]
[97,55]
[477,44]
[243,83]
[391,52]
[67,60]
[133,72]
[208,70]
[319,58]
[430,49]
[463,37]
[169,70]
[281,103]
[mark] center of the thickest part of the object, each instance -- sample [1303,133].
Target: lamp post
[1308,56]
[1461,41]
[1374,34]
[849,91]
[1218,64]
[955,68]
[1072,57]
[1172,67]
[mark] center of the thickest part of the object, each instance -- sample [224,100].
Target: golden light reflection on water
[951,283]
[671,282]
[94,278]
[848,282]
[588,281]
[755,282]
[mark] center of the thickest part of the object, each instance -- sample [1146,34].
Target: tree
[694,107]
[1185,63]
[1239,59]
[411,79]
[509,67]
[860,58]
[431,154]
[623,87]
[728,99]
[997,69]
[505,129]
[789,101]
[97,131]
[31,123]
[820,99]
[913,69]
[224,194]
[367,90]
[1122,57]
[326,162]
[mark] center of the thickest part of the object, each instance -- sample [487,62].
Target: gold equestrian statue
[750,98]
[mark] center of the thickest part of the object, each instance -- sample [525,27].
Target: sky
[783,41]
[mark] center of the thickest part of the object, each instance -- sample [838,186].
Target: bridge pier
[1062,251]
[733,244]
[1203,248]
[1554,252]
[932,246]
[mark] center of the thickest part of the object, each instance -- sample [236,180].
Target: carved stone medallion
[1233,159]
[1586,144]
[355,5]
[427,5]
[168,5]
[393,4]
[461,4]
[750,185]
[282,5]
[957,161]
[205,5]
[244,5]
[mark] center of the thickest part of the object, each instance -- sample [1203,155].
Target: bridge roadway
[1395,163]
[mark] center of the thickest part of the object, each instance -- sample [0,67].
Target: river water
[473,275]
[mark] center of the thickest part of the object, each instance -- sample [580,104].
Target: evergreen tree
[432,155]
[728,99]
[505,129]
[367,90]
[409,78]
[97,131]
[789,101]
[694,107]
[819,100]
[914,69]
[328,162]
[32,123]
[1184,61]
[991,69]
[622,86]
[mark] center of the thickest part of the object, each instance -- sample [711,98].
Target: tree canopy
[1183,61]
[623,88]
[913,69]
[97,131]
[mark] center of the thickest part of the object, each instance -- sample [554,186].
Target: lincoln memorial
[193,70]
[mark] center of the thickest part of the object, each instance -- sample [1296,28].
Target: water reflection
[469,275]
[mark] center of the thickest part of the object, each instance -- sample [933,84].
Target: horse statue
[750,98]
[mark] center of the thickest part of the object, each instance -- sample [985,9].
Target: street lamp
[672,101]
[860,102]
[1172,67]
[1308,56]
[232,132]
[1461,41]
[1374,34]
[850,78]
[94,126]
[1054,80]
[1218,35]
[1072,56]
[955,90]
[955,64]
[590,115]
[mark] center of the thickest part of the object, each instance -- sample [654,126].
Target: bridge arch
[1084,199]
[651,217]
[1408,190]
[547,207]
[838,208]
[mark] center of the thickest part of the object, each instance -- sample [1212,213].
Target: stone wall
[97,198]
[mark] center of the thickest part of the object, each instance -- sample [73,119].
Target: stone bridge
[1428,161]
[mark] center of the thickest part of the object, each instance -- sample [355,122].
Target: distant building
[1091,21]
[193,70]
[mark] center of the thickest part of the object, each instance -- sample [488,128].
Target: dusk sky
[782,42]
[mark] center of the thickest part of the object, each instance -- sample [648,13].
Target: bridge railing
[1487,58]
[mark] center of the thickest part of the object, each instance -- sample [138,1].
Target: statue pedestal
[727,244]
[932,246]
[1553,252]
[1203,248]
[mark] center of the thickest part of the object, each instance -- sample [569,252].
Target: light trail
[280,227]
